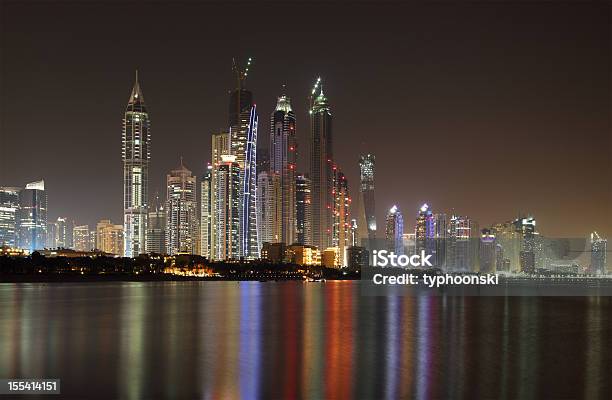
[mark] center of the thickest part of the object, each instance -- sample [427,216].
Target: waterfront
[293,339]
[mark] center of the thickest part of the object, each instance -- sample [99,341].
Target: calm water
[289,340]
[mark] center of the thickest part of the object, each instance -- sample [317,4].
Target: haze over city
[490,110]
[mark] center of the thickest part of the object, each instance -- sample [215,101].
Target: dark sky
[488,108]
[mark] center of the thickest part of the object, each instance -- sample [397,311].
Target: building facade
[394,232]
[227,210]
[32,216]
[109,237]
[303,212]
[82,238]
[366,221]
[156,229]
[321,168]
[206,190]
[9,209]
[136,153]
[181,211]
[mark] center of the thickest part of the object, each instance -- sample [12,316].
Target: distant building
[220,147]
[487,251]
[51,235]
[226,210]
[526,227]
[9,212]
[270,207]
[65,227]
[599,251]
[462,244]
[156,229]
[303,212]
[358,258]
[32,216]
[136,153]
[424,230]
[342,215]
[82,242]
[366,220]
[321,173]
[273,252]
[181,211]
[330,257]
[109,237]
[283,158]
[394,231]
[304,254]
[206,190]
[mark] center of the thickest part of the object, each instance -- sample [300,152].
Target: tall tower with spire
[321,168]
[283,151]
[243,141]
[136,153]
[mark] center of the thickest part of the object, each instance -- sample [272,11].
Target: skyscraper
[109,237]
[181,211]
[303,213]
[206,190]
[321,164]
[136,154]
[32,216]
[526,227]
[65,227]
[342,216]
[51,235]
[599,249]
[243,131]
[394,231]
[462,251]
[82,239]
[283,150]
[367,209]
[424,229]
[220,147]
[269,195]
[9,209]
[156,229]
[227,209]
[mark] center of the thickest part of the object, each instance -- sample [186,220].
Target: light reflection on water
[293,340]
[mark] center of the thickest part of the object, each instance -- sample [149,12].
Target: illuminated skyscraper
[367,209]
[243,131]
[156,229]
[206,190]
[321,164]
[182,222]
[462,244]
[9,209]
[51,235]
[424,230]
[32,216]
[220,147]
[394,231]
[65,227]
[526,227]
[227,209]
[488,250]
[341,237]
[599,259]
[283,150]
[82,239]
[303,213]
[269,194]
[109,237]
[136,154]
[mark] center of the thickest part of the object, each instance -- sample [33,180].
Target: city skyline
[493,184]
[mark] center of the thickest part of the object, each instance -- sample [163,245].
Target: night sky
[489,108]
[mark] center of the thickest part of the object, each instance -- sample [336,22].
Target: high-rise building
[109,237]
[394,231]
[341,236]
[9,212]
[269,195]
[487,253]
[156,229]
[51,235]
[440,239]
[303,212]
[181,211]
[206,190]
[509,239]
[82,239]
[32,216]
[599,259]
[220,147]
[243,132]
[136,154]
[461,249]
[321,168]
[424,230]
[283,158]
[227,209]
[366,221]
[526,227]
[65,227]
